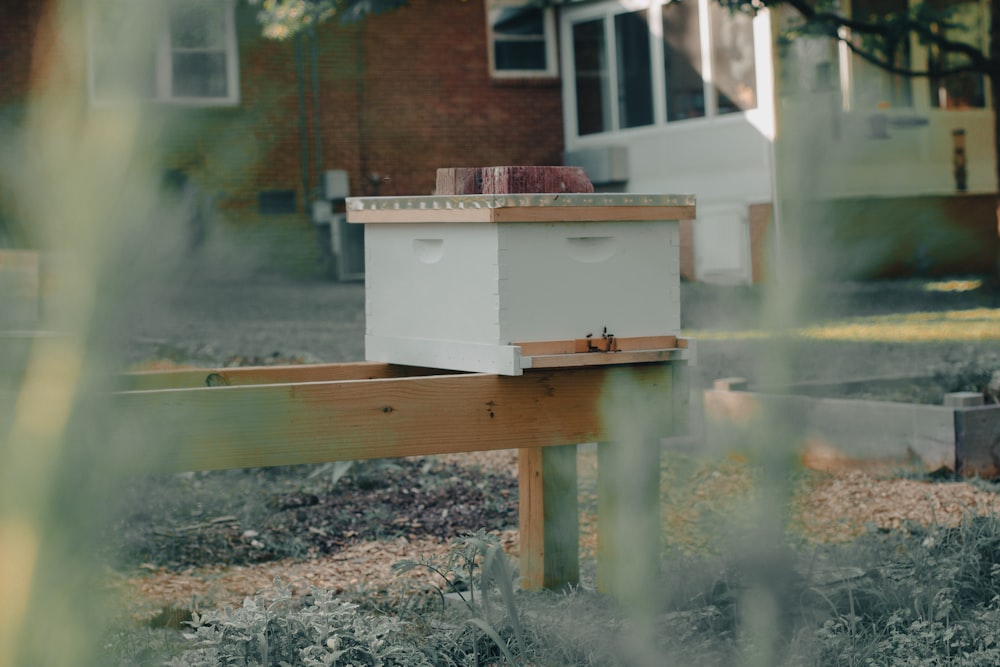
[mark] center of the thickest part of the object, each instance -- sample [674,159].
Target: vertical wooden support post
[628,484]
[549,517]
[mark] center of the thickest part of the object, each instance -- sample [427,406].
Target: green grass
[975,324]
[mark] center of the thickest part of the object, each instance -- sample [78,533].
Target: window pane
[733,63]
[199,75]
[519,55]
[873,87]
[682,61]
[965,90]
[635,90]
[197,25]
[590,66]
[519,38]
[517,21]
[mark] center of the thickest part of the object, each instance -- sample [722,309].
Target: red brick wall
[20,22]
[429,101]
[18,25]
[400,95]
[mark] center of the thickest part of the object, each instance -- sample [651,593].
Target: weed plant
[917,597]
[317,632]
[928,597]
[480,553]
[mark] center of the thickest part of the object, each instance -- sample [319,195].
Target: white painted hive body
[459,282]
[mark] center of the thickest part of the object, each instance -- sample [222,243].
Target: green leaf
[492,634]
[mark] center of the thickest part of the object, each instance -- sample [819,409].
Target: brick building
[649,96]
[255,123]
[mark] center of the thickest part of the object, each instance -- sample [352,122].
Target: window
[733,64]
[276,202]
[873,87]
[173,51]
[669,61]
[590,67]
[522,39]
[632,85]
[685,85]
[635,92]
[966,90]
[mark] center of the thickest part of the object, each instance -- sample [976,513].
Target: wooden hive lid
[572,207]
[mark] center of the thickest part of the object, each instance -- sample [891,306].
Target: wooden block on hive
[512,180]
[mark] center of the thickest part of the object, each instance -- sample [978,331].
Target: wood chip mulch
[831,507]
[842,506]
[358,568]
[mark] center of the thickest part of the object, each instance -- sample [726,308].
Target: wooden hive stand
[623,393]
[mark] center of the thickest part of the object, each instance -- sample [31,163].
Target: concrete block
[963,399]
[731,384]
[977,441]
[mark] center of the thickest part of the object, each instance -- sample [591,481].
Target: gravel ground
[206,319]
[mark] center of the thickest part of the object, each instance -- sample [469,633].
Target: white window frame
[551,52]
[163,68]
[607,11]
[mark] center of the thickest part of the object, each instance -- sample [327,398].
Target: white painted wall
[850,158]
[725,161]
[849,142]
[728,162]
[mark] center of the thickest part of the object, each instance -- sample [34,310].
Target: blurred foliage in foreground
[86,186]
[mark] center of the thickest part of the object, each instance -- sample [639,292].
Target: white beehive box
[460,282]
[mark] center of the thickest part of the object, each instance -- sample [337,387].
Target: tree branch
[832,23]
[905,71]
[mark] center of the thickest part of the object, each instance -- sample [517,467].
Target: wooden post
[548,512]
[549,517]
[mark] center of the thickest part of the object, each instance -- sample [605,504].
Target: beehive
[492,283]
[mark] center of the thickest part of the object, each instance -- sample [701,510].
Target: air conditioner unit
[605,165]
[336,185]
[322,212]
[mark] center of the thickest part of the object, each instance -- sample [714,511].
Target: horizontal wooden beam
[212,377]
[594,214]
[287,424]
[597,344]
[601,359]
